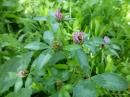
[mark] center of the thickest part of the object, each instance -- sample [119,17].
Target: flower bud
[58,84]
[106,39]
[56,45]
[58,15]
[22,73]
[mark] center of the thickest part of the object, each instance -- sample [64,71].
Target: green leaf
[113,52]
[61,66]
[72,47]
[24,61]
[48,37]
[9,4]
[55,95]
[41,61]
[76,25]
[96,41]
[6,81]
[17,63]
[55,26]
[64,93]
[128,78]
[40,18]
[28,82]
[92,2]
[18,84]
[109,65]
[9,69]
[36,46]
[85,88]
[58,56]
[115,47]
[91,47]
[111,81]
[81,58]
[24,92]
[93,44]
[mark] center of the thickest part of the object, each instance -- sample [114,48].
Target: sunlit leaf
[111,81]
[85,88]
[36,46]
[41,61]
[40,18]
[82,59]
[48,37]
[24,92]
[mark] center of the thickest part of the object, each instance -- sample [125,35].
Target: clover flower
[58,15]
[106,39]
[78,37]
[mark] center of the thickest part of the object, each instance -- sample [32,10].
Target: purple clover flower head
[58,15]
[106,39]
[78,37]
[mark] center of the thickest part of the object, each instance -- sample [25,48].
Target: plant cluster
[64,48]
